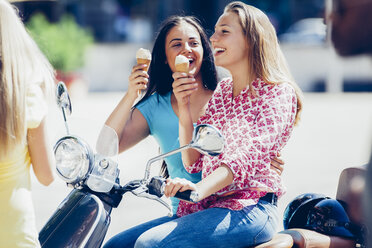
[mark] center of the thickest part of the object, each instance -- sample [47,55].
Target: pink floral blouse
[255,129]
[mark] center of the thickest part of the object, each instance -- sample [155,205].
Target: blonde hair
[267,59]
[20,61]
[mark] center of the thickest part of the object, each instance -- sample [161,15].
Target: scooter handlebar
[157,185]
[188,195]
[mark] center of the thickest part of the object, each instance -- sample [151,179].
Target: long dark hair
[160,75]
[161,80]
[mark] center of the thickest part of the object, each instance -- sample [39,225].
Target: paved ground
[335,132]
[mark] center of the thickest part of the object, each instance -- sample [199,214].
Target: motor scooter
[83,217]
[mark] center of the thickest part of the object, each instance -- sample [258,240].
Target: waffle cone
[144,61]
[184,67]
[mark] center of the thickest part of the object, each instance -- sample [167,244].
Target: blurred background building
[117,20]
[120,27]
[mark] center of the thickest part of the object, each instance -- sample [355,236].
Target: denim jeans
[214,227]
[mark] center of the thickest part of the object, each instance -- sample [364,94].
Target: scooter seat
[303,238]
[280,240]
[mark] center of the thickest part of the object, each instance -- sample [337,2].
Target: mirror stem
[64,118]
[148,165]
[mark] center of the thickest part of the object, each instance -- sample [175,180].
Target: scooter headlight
[73,159]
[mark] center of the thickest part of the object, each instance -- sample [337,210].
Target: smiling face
[228,41]
[184,39]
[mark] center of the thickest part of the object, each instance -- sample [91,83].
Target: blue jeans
[214,227]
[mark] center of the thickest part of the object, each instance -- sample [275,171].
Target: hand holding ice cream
[139,78]
[183,86]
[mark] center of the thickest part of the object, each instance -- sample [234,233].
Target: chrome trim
[194,196]
[88,153]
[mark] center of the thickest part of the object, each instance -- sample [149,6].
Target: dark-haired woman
[156,113]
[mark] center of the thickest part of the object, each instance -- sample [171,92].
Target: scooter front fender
[81,220]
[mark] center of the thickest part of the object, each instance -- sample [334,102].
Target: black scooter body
[81,220]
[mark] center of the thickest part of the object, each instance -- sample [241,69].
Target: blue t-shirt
[163,124]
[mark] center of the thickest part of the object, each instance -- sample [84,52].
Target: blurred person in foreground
[351,34]
[25,79]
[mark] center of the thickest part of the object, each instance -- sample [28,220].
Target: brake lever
[143,191]
[152,197]
[140,190]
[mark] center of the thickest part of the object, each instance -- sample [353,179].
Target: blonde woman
[25,78]
[256,111]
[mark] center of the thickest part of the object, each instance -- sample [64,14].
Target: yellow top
[17,218]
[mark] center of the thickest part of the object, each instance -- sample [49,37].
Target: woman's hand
[177,184]
[138,80]
[276,164]
[183,86]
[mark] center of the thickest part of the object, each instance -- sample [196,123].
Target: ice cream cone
[144,61]
[143,56]
[182,64]
[184,67]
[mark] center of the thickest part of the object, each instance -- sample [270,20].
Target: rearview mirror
[63,98]
[207,140]
[64,102]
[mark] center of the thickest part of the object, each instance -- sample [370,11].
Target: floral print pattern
[255,128]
